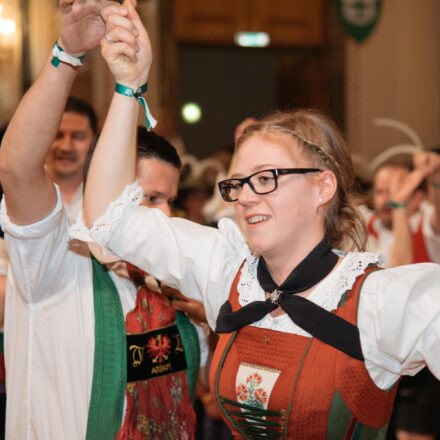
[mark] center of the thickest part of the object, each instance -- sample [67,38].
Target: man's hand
[180,302]
[82,26]
[126,47]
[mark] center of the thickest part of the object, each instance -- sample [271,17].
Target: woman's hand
[404,183]
[126,46]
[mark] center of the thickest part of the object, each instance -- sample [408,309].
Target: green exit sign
[252,39]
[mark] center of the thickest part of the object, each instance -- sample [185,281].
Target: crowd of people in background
[78,297]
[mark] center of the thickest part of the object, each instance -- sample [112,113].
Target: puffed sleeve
[41,255]
[399,322]
[198,260]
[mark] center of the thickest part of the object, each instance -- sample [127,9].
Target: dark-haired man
[71,361]
[68,152]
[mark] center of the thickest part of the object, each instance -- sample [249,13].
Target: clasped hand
[125,46]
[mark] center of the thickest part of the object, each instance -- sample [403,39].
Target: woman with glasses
[312,341]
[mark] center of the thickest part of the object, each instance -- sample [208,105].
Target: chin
[256,248]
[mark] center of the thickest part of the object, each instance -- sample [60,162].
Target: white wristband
[61,55]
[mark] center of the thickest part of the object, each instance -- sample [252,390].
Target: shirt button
[275,321]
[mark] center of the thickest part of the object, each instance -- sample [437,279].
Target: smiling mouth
[66,159]
[257,219]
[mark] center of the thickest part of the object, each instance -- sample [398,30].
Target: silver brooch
[275,296]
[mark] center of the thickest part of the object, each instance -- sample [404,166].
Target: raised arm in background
[402,190]
[29,193]
[114,161]
[402,187]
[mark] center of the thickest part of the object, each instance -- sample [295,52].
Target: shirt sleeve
[399,322]
[41,255]
[432,240]
[199,261]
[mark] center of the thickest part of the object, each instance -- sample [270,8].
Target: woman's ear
[326,187]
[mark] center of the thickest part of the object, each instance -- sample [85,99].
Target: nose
[247,195]
[65,143]
[165,208]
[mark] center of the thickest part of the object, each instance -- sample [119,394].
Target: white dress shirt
[49,328]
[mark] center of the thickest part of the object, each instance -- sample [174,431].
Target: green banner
[359,17]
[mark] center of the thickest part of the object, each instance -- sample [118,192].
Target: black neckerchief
[324,325]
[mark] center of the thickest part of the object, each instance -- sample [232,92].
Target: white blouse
[399,310]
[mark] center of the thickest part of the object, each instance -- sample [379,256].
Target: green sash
[110,362]
[190,341]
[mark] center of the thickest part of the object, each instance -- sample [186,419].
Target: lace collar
[326,294]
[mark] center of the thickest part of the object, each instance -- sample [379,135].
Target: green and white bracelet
[150,122]
[59,54]
[395,205]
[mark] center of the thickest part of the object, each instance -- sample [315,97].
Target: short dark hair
[76,105]
[151,145]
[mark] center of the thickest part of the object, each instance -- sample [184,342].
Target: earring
[320,200]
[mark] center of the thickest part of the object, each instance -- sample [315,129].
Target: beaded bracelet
[150,122]
[395,205]
[59,54]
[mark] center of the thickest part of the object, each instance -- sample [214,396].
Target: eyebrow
[154,193]
[160,194]
[255,170]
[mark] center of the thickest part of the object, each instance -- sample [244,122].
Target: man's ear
[326,187]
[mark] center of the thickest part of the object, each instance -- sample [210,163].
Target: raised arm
[402,188]
[127,51]
[29,193]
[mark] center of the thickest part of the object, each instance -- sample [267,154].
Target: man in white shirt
[404,226]
[59,381]
[405,229]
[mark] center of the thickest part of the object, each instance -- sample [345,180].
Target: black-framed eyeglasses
[261,182]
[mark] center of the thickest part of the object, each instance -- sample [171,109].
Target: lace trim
[79,230]
[327,294]
[104,227]
[234,245]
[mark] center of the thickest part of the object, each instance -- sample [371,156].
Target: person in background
[404,227]
[68,153]
[311,345]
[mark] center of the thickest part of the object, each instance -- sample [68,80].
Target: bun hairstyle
[322,143]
